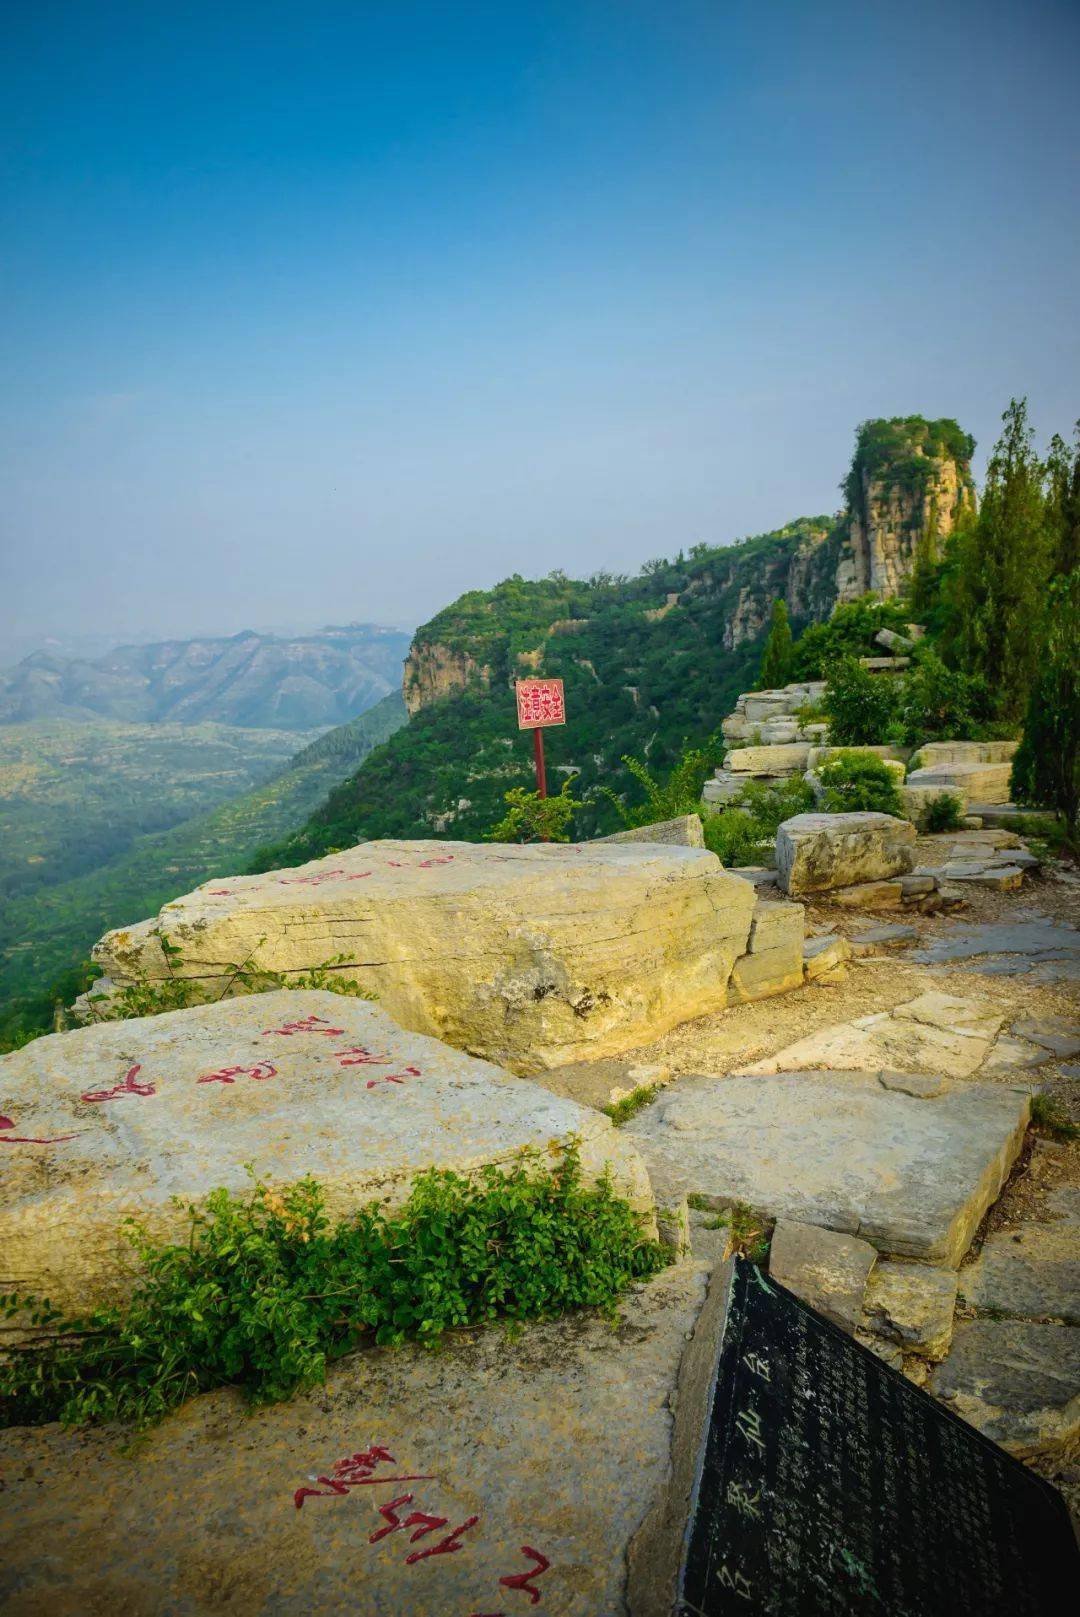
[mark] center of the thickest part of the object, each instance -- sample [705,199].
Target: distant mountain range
[255,681]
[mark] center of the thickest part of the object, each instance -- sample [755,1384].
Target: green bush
[940,704]
[776,660]
[679,794]
[945,812]
[859,781]
[532,818]
[848,633]
[265,1294]
[742,832]
[862,707]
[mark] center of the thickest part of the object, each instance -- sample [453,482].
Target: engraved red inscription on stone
[355,1471]
[394,1077]
[447,1546]
[229,1075]
[314,880]
[524,1580]
[307,1024]
[418,1519]
[128,1086]
[360,1056]
[540,702]
[28,1139]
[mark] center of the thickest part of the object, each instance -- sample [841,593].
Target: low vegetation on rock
[266,1293]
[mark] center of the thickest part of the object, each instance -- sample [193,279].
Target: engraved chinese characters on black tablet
[829,1484]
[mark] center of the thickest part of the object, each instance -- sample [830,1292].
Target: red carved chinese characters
[315,880]
[394,1077]
[28,1139]
[416,1518]
[308,1024]
[229,1075]
[447,1546]
[355,1471]
[127,1086]
[524,1580]
[358,1055]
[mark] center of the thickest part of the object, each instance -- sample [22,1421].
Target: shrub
[939,703]
[945,812]
[679,794]
[856,781]
[264,1294]
[742,832]
[861,706]
[848,633]
[532,818]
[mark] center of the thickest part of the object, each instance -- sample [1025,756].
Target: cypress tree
[777,657]
[1004,568]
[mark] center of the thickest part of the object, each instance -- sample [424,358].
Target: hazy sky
[319,312]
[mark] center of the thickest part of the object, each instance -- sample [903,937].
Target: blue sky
[330,312]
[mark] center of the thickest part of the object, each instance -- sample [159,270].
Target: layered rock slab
[562,1440]
[531,956]
[912,1175]
[818,852]
[935,1033]
[119,1119]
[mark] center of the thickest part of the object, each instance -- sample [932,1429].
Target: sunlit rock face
[530,956]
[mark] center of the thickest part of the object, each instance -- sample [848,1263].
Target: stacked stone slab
[124,1118]
[531,956]
[977,771]
[773,715]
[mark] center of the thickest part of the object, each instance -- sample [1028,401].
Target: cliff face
[434,671]
[910,480]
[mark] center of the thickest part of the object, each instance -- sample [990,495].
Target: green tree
[1004,569]
[1046,768]
[777,658]
[1063,501]
[861,707]
[532,818]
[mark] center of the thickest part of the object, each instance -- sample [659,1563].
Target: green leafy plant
[532,818]
[265,1294]
[944,812]
[678,794]
[937,703]
[861,706]
[743,831]
[849,632]
[859,781]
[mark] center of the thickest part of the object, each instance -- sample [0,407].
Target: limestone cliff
[909,481]
[433,671]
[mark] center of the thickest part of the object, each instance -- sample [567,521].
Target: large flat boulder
[535,1461]
[911,1175]
[779,760]
[975,782]
[817,852]
[121,1118]
[933,753]
[529,956]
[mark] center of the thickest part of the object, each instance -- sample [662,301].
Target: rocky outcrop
[531,956]
[434,671]
[143,1116]
[909,482]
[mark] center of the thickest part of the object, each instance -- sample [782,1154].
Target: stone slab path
[1047,951]
[911,1175]
[121,1118]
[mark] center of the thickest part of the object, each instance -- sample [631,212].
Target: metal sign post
[540,703]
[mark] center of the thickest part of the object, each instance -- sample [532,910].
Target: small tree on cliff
[777,657]
[1046,768]
[1063,502]
[1004,568]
